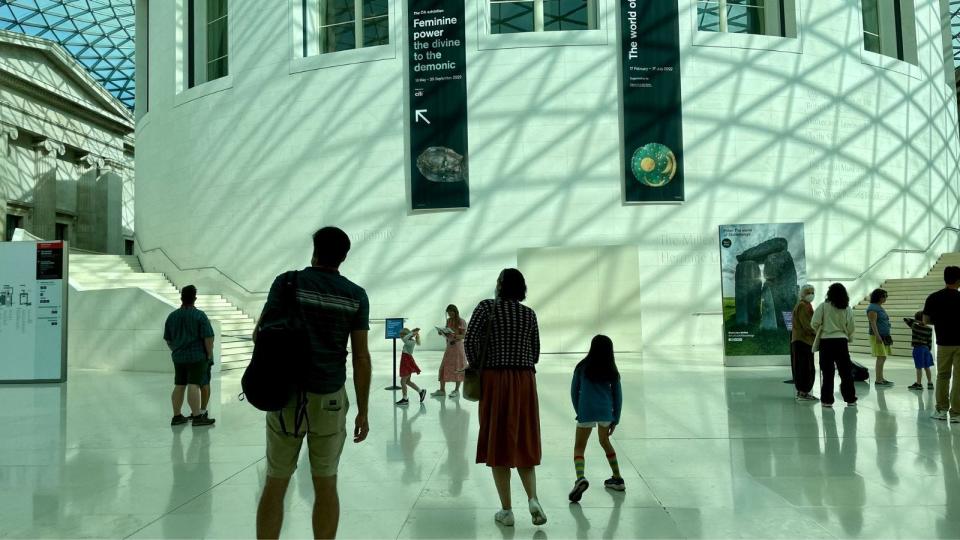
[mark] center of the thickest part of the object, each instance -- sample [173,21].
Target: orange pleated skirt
[509,419]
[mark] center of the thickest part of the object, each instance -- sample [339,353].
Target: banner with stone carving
[762,267]
[651,101]
[437,72]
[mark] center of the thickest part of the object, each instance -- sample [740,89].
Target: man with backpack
[189,335]
[330,309]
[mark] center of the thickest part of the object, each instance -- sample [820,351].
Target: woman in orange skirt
[504,341]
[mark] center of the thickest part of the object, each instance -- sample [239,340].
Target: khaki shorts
[327,416]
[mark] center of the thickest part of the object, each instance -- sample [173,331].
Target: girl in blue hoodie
[597,399]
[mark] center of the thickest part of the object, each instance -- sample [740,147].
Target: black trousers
[803,369]
[835,356]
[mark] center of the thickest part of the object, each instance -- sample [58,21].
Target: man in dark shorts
[942,310]
[334,310]
[189,335]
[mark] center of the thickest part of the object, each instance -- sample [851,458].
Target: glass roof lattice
[98,33]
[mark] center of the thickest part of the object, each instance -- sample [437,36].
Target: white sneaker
[504,517]
[536,512]
[454,394]
[939,415]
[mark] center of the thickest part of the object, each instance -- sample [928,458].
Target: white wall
[861,149]
[121,329]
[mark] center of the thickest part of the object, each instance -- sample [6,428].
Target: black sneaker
[915,386]
[202,420]
[423,395]
[179,420]
[616,484]
[579,487]
[929,386]
[403,402]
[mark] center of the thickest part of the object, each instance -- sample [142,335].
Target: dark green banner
[652,113]
[438,104]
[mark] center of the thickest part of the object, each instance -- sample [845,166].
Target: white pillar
[7,134]
[109,230]
[44,218]
[87,202]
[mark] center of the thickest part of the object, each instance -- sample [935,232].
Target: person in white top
[833,322]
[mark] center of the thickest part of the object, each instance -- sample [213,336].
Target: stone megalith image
[747,284]
[768,309]
[780,272]
[763,250]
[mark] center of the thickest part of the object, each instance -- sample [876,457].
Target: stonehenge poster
[763,267]
[652,116]
[437,72]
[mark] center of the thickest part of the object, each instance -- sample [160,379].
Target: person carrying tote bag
[473,375]
[507,353]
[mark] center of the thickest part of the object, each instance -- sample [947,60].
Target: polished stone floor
[706,452]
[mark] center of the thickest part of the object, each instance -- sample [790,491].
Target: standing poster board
[33,308]
[762,267]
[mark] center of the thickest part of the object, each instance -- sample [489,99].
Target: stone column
[7,134]
[109,209]
[44,218]
[87,202]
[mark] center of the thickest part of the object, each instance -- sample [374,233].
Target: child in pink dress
[455,357]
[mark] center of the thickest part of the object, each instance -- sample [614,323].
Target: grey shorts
[327,414]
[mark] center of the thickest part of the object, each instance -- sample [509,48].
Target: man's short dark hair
[188,294]
[951,275]
[330,246]
[512,285]
[877,295]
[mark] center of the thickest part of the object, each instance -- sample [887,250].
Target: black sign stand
[393,327]
[394,385]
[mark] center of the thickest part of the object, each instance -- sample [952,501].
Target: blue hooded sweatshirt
[595,401]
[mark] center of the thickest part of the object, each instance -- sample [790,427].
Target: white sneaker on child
[504,517]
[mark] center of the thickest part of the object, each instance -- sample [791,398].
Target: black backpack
[280,356]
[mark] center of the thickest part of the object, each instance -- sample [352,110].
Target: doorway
[580,292]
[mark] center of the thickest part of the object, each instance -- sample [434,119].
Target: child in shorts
[921,339]
[408,366]
[597,400]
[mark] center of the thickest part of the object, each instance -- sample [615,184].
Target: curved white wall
[776,130]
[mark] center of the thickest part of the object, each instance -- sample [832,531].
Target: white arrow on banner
[421,116]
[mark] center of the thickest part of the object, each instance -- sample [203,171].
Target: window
[142,51]
[758,17]
[513,16]
[13,222]
[207,41]
[343,25]
[888,28]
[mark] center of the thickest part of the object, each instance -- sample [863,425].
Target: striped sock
[614,466]
[578,462]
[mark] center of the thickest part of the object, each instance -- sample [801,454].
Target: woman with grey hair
[801,345]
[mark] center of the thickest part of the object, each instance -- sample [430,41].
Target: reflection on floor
[705,451]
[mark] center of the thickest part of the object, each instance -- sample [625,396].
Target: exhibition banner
[33,305]
[763,267]
[651,102]
[437,75]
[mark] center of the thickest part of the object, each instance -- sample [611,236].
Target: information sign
[33,306]
[393,326]
[437,75]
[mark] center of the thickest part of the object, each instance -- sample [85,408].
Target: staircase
[119,271]
[906,297]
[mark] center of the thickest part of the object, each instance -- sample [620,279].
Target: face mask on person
[808,298]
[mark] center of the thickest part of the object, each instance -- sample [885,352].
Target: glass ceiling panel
[98,33]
